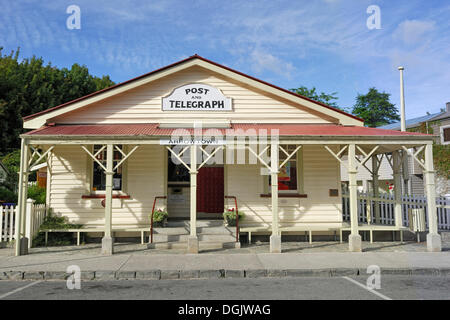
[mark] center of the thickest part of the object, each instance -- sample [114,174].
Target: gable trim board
[39,119]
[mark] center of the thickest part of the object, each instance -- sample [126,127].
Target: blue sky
[321,43]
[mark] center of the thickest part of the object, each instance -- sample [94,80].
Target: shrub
[54,222]
[37,193]
[55,238]
[441,155]
[7,195]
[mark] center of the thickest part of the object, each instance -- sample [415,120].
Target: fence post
[1,224]
[29,220]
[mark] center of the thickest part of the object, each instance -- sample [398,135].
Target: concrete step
[445,236]
[210,233]
[200,230]
[203,245]
[171,231]
[200,223]
[201,237]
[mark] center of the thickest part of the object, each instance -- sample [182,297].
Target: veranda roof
[238,129]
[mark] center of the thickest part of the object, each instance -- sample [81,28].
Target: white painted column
[376,186]
[21,242]
[354,239]
[397,163]
[193,239]
[434,243]
[107,241]
[275,238]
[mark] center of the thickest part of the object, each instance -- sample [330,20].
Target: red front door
[210,190]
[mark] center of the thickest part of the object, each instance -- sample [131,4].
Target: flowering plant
[159,217]
[230,216]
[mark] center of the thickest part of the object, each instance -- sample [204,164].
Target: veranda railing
[386,203]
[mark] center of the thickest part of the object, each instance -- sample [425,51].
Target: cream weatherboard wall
[321,172]
[145,179]
[70,172]
[143,104]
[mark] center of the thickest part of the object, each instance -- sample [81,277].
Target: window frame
[442,134]
[299,173]
[90,175]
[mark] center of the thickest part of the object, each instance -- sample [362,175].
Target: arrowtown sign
[196,96]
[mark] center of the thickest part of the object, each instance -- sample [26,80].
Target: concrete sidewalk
[131,264]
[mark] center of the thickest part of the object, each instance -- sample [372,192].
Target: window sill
[102,196]
[284,195]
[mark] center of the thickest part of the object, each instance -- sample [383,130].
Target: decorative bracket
[366,156]
[208,156]
[125,156]
[32,164]
[94,156]
[338,155]
[421,162]
[258,156]
[289,156]
[178,156]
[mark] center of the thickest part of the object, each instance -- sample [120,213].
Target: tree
[322,97]
[12,162]
[375,108]
[28,86]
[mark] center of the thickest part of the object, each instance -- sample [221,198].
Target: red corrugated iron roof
[178,63]
[153,129]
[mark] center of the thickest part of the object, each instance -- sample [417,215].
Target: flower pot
[160,224]
[230,222]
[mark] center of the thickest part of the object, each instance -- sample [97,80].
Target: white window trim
[90,182]
[299,169]
[442,134]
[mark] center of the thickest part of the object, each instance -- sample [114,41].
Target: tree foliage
[12,162]
[441,152]
[441,156]
[28,86]
[375,108]
[328,99]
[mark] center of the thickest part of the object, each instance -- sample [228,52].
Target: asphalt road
[392,287]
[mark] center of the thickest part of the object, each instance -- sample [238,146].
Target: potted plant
[229,217]
[160,218]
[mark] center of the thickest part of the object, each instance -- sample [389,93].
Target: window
[288,175]
[176,172]
[445,135]
[99,177]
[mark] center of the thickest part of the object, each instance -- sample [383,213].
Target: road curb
[106,275]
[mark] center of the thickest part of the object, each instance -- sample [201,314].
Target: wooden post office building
[201,138]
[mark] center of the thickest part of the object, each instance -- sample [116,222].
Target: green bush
[7,195]
[34,192]
[441,156]
[230,216]
[55,238]
[54,222]
[37,193]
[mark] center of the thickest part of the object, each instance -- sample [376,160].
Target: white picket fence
[7,223]
[35,214]
[386,202]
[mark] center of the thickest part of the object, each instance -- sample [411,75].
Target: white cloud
[413,31]
[262,61]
